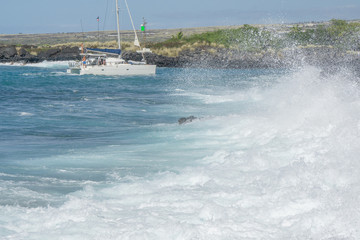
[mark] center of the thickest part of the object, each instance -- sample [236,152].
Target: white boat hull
[113,70]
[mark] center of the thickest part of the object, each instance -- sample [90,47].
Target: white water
[44,64]
[287,167]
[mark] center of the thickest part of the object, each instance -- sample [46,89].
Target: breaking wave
[282,162]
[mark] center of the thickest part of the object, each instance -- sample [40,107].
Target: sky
[57,16]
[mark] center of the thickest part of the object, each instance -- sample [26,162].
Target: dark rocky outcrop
[151,58]
[23,52]
[11,54]
[60,54]
[7,52]
[49,54]
[69,53]
[329,59]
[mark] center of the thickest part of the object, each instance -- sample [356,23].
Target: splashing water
[271,156]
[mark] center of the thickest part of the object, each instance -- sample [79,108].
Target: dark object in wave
[184,120]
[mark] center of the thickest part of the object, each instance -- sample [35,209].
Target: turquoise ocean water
[273,154]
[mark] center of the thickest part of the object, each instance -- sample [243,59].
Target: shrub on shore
[338,33]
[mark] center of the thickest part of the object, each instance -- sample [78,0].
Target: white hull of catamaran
[119,69]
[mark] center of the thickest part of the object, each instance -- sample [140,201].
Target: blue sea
[272,154]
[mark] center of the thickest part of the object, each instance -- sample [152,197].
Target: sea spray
[272,156]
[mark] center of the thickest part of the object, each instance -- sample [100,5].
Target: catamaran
[109,61]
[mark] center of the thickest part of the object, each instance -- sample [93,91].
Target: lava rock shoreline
[201,57]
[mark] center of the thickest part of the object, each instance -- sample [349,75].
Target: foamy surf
[274,161]
[44,64]
[25,114]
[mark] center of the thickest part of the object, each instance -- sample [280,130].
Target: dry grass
[175,51]
[125,46]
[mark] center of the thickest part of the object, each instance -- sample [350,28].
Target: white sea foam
[50,64]
[208,98]
[44,64]
[287,169]
[25,114]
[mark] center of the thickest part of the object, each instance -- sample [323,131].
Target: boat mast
[118,24]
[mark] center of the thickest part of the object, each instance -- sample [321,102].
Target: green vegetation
[180,35]
[247,37]
[338,33]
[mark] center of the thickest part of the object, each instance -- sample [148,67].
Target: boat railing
[74,64]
